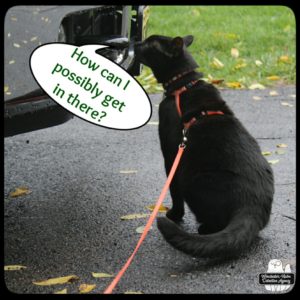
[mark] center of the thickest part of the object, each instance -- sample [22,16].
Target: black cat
[222,176]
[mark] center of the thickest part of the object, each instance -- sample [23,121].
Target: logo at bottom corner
[277,278]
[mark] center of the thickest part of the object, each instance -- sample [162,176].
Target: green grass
[263,33]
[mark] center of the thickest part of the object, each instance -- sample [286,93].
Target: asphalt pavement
[82,178]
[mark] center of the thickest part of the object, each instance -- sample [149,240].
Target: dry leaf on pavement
[141,229]
[287,104]
[20,191]
[134,216]
[14,268]
[281,146]
[256,98]
[86,288]
[273,161]
[266,153]
[58,280]
[63,291]
[128,171]
[162,208]
[102,275]
[273,93]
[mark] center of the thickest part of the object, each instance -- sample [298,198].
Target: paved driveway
[70,222]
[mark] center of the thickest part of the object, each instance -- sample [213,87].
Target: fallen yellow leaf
[256,86]
[34,38]
[216,81]
[280,152]
[20,191]
[64,291]
[134,216]
[281,146]
[234,84]
[284,59]
[265,153]
[231,36]
[128,171]
[149,76]
[133,292]
[273,93]
[273,162]
[286,104]
[17,45]
[14,268]
[210,77]
[86,288]
[196,12]
[141,229]
[101,275]
[258,62]
[158,88]
[256,98]
[6,88]
[273,77]
[161,208]
[11,62]
[240,66]
[235,52]
[58,280]
[217,63]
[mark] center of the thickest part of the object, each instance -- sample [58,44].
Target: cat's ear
[179,42]
[177,45]
[188,40]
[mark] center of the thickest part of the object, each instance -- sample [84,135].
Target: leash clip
[184,138]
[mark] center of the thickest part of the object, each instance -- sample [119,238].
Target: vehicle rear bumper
[35,110]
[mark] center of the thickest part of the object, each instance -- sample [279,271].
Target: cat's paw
[175,216]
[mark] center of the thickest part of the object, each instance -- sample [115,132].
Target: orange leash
[162,196]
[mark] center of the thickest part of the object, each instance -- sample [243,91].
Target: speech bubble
[90,86]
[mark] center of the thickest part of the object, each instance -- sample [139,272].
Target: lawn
[235,46]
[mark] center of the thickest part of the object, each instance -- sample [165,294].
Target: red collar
[177,94]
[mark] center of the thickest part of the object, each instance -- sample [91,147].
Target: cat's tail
[231,241]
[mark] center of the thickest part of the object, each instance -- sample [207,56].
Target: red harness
[187,125]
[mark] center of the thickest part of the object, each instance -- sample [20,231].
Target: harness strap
[177,94]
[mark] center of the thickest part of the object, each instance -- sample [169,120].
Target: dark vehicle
[116,26]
